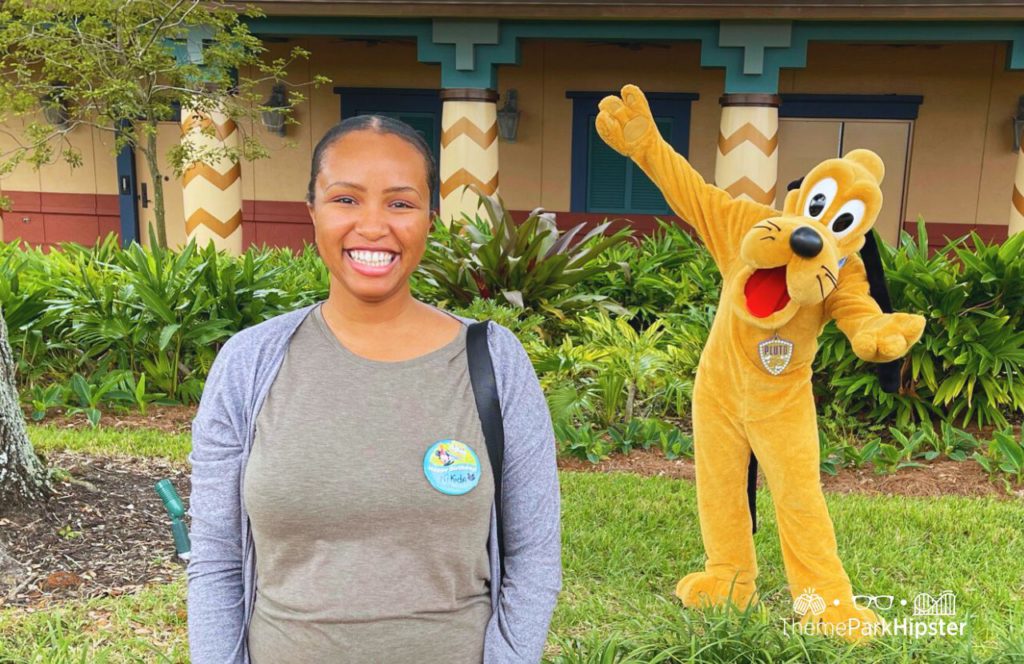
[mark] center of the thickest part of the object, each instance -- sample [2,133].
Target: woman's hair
[382,125]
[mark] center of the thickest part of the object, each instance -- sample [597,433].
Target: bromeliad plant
[531,265]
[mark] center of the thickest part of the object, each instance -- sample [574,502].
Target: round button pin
[451,467]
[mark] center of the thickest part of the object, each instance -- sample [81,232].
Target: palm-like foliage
[530,264]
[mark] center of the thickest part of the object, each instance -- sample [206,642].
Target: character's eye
[848,218]
[821,195]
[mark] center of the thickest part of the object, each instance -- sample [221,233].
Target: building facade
[753,93]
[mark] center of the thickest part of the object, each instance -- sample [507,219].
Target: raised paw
[625,123]
[888,337]
[701,590]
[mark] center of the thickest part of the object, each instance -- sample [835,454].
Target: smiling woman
[343,504]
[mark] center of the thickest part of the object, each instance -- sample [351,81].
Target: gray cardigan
[221,572]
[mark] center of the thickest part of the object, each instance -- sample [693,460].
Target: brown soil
[108,539]
[939,478]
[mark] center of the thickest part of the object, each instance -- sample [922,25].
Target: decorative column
[469,149]
[1017,200]
[212,190]
[747,160]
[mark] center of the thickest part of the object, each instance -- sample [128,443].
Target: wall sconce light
[1018,124]
[273,117]
[508,117]
[55,107]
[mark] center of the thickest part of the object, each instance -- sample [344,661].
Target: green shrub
[530,265]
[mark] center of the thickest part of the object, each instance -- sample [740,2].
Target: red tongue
[766,291]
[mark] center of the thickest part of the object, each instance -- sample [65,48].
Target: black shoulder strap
[888,372]
[752,491]
[488,407]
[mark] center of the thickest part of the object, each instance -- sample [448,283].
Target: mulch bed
[108,539]
[939,478]
[169,419]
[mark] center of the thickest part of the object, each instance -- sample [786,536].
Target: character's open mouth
[766,292]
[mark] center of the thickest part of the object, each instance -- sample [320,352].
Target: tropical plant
[531,264]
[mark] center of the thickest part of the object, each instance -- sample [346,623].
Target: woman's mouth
[766,291]
[370,262]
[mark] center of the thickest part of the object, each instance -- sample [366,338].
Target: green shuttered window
[616,184]
[603,181]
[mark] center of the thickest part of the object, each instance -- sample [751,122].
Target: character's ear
[869,161]
[789,204]
[792,193]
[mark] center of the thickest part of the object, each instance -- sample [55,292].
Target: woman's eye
[344,199]
[402,204]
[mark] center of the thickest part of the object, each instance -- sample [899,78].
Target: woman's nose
[806,242]
[372,223]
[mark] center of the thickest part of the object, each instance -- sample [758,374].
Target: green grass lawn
[627,540]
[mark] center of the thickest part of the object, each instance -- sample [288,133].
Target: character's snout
[806,242]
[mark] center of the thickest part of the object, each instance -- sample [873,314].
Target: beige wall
[962,161]
[96,175]
[536,170]
[961,167]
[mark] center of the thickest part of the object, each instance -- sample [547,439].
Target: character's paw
[700,590]
[888,337]
[845,620]
[626,123]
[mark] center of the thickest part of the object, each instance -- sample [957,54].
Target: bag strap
[488,407]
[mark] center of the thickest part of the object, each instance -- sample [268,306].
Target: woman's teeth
[371,258]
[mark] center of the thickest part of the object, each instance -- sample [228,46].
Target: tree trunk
[153,161]
[23,477]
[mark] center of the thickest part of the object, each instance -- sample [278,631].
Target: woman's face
[371,213]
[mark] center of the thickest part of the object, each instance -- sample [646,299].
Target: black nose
[806,242]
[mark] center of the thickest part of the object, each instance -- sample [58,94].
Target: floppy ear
[869,161]
[792,193]
[789,204]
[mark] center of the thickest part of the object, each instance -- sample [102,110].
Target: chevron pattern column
[469,149]
[1017,201]
[212,191]
[747,160]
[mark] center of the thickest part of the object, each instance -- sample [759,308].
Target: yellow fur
[738,406]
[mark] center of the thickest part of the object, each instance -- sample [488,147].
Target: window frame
[676,106]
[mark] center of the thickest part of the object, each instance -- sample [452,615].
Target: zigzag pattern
[466,127]
[1018,201]
[462,177]
[222,130]
[220,180]
[222,228]
[748,133]
[747,187]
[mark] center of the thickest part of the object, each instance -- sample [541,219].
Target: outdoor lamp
[273,118]
[508,117]
[1018,124]
[55,107]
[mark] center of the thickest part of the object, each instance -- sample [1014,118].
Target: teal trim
[752,53]
[754,38]
[465,35]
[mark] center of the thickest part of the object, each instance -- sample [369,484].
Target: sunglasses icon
[882,602]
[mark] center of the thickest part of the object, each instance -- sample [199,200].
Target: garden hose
[176,509]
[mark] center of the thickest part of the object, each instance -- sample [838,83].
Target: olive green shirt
[359,558]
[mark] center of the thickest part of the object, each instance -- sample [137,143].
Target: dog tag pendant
[775,354]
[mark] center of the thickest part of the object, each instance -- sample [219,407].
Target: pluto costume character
[785,274]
